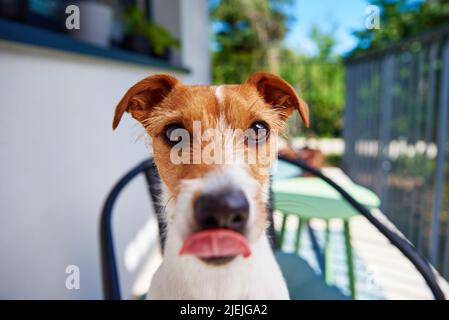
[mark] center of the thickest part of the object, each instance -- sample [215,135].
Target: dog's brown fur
[160,100]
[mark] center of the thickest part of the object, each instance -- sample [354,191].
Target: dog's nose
[227,209]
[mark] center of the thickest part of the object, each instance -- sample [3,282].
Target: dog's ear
[280,94]
[143,96]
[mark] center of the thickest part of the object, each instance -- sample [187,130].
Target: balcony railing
[397,140]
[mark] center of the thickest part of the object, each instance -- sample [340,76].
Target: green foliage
[135,22]
[323,75]
[325,42]
[333,160]
[267,18]
[247,30]
[401,19]
[321,84]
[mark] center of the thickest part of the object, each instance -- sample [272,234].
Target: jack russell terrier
[216,209]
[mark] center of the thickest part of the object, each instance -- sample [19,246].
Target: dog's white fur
[187,277]
[256,277]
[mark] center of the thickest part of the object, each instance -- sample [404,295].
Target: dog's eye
[173,133]
[258,132]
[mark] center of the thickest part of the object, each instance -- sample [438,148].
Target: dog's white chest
[257,277]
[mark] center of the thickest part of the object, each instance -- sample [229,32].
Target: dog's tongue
[216,243]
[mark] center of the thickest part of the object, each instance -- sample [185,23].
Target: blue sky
[346,15]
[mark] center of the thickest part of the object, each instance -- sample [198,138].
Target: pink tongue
[216,243]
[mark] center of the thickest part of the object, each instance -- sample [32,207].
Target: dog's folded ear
[280,94]
[143,96]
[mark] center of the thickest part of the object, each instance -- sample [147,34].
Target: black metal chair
[298,282]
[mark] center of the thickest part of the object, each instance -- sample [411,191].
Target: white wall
[188,20]
[59,159]
[168,14]
[195,35]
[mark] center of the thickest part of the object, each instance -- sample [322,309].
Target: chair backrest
[109,270]
[111,284]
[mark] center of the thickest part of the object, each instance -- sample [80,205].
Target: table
[312,198]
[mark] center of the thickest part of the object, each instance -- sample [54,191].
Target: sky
[342,15]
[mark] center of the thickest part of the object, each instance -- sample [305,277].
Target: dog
[216,212]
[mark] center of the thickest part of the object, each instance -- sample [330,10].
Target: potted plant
[144,36]
[96,20]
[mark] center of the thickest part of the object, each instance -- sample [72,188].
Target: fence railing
[396,137]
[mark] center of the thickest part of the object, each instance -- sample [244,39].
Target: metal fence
[396,137]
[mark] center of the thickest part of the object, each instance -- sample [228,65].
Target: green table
[312,198]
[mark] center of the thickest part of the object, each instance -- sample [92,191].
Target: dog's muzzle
[227,209]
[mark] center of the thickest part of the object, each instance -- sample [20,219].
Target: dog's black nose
[227,209]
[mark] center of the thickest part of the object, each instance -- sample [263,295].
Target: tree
[248,37]
[401,19]
[319,80]
[324,41]
[248,33]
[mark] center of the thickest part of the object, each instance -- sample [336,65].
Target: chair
[309,198]
[301,280]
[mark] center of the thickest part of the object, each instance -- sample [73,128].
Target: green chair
[312,198]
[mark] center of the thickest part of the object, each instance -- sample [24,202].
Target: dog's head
[214,146]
